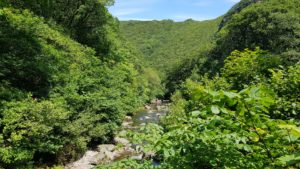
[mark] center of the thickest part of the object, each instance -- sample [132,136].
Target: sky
[178,10]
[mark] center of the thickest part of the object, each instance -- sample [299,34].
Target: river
[107,153]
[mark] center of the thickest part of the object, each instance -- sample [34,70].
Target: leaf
[224,110]
[215,109]
[231,95]
[294,130]
[196,113]
[290,159]
[247,148]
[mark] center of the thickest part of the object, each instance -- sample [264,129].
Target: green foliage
[210,126]
[129,164]
[243,68]
[31,128]
[67,79]
[223,129]
[272,25]
[88,21]
[247,116]
[228,124]
[286,84]
[59,96]
[236,9]
[166,44]
[154,82]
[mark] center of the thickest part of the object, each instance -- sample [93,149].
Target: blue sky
[177,10]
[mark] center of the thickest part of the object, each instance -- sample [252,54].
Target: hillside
[165,44]
[75,81]
[67,79]
[240,108]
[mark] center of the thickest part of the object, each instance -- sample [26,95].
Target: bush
[246,67]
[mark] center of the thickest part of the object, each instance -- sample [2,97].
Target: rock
[149,155]
[85,162]
[122,141]
[110,155]
[147,107]
[98,158]
[137,157]
[122,133]
[106,147]
[150,111]
[128,118]
[127,124]
[125,152]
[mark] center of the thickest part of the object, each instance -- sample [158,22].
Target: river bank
[122,148]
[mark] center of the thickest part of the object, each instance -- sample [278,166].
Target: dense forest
[67,80]
[171,48]
[239,106]
[165,44]
[70,72]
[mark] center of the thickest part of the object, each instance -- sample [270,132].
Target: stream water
[107,153]
[151,115]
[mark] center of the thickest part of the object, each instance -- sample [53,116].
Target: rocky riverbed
[122,148]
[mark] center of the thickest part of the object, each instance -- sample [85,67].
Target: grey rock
[137,157]
[122,141]
[106,147]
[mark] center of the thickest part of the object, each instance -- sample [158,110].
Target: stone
[149,155]
[106,147]
[127,124]
[137,157]
[128,118]
[124,152]
[98,158]
[122,141]
[85,162]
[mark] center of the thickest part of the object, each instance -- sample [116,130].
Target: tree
[87,21]
[271,25]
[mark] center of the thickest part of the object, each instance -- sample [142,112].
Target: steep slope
[236,9]
[165,44]
[272,25]
[62,91]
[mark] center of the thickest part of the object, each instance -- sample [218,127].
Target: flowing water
[151,115]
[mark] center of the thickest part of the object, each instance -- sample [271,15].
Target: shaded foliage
[59,96]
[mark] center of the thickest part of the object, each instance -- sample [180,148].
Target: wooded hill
[68,77]
[166,44]
[239,108]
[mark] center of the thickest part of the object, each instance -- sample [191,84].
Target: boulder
[122,141]
[128,118]
[106,147]
[137,157]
